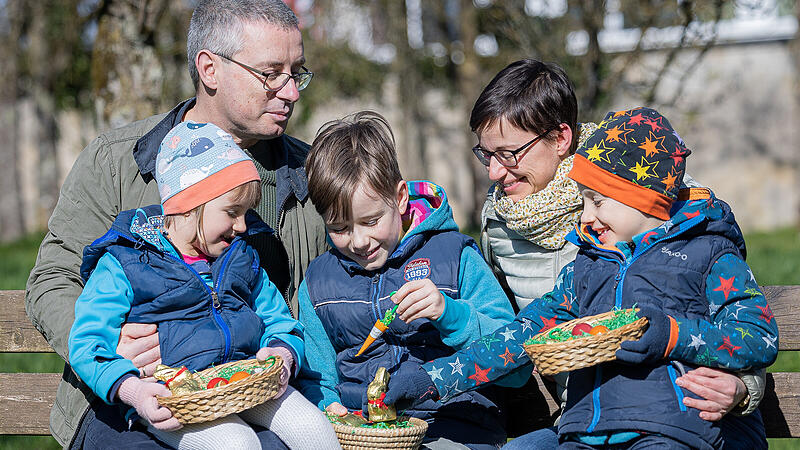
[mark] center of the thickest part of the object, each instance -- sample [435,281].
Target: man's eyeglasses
[275,81]
[507,158]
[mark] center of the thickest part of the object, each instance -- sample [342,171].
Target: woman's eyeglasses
[507,158]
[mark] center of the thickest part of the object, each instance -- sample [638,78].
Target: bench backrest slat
[17,334]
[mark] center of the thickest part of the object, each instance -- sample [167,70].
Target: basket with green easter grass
[585,341]
[221,390]
[383,428]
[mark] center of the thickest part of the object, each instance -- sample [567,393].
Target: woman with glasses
[526,124]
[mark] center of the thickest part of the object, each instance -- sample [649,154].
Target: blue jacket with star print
[692,268]
[340,301]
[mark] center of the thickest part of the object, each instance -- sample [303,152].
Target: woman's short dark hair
[531,95]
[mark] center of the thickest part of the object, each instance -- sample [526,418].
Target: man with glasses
[247,64]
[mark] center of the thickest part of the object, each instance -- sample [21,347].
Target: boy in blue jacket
[185,266]
[391,235]
[679,256]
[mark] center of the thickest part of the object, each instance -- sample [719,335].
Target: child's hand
[142,396]
[336,408]
[652,346]
[419,299]
[410,385]
[288,362]
[721,391]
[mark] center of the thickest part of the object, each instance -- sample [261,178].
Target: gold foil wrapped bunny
[376,391]
[179,381]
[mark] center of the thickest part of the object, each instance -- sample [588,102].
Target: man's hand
[138,342]
[419,299]
[722,391]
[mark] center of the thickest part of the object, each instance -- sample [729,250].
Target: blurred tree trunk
[468,78]
[12,224]
[127,72]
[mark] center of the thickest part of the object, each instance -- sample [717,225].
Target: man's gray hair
[217,26]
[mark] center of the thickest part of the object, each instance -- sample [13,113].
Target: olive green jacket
[115,173]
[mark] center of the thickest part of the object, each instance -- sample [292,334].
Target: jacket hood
[428,210]
[697,209]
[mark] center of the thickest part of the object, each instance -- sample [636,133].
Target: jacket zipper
[288,286]
[216,306]
[619,279]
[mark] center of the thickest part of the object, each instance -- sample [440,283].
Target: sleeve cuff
[279,343]
[453,317]
[673,336]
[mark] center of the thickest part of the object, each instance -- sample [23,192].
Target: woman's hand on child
[419,299]
[288,363]
[142,396]
[138,342]
[652,346]
[721,391]
[336,408]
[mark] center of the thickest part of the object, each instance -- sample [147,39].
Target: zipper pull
[215,301]
[616,280]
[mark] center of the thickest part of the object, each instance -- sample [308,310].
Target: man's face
[253,113]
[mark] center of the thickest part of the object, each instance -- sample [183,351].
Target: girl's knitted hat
[634,157]
[198,162]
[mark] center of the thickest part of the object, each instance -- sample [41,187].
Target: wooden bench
[25,401]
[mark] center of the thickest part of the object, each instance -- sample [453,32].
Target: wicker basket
[210,404]
[358,438]
[588,351]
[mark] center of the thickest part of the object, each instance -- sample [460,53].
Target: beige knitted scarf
[545,217]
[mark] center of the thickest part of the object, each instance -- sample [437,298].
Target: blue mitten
[409,385]
[652,346]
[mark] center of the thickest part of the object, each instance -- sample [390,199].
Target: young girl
[183,266]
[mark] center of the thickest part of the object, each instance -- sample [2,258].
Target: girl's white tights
[295,420]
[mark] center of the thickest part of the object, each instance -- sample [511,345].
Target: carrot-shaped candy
[380,326]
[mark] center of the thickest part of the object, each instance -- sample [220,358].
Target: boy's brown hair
[356,149]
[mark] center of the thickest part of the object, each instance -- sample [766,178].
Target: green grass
[774,258]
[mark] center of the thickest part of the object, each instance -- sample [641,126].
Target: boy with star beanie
[676,255]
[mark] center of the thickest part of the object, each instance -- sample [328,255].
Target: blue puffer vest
[669,273]
[348,301]
[198,325]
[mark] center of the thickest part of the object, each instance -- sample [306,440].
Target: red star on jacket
[480,375]
[547,323]
[646,238]
[726,286]
[726,344]
[691,215]
[507,357]
[766,313]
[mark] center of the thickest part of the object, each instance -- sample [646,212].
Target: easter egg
[238,376]
[581,328]
[600,329]
[215,382]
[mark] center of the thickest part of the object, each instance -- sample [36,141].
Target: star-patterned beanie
[634,157]
[198,162]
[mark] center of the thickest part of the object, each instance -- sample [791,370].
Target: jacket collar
[290,176]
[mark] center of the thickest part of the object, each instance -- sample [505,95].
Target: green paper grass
[621,318]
